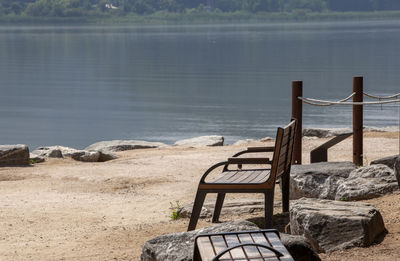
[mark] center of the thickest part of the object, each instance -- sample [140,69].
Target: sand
[68,210]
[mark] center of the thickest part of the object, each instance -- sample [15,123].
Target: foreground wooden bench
[247,245]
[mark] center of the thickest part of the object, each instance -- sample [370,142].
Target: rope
[310,100]
[316,102]
[381,98]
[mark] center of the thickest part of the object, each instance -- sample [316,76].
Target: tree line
[79,8]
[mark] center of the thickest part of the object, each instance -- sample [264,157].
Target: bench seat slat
[243,176]
[219,244]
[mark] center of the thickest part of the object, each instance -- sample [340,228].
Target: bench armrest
[249,161]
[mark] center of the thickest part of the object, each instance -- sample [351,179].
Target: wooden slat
[244,176]
[252,177]
[225,177]
[260,238]
[219,245]
[205,247]
[237,253]
[251,252]
[277,244]
[262,175]
[240,176]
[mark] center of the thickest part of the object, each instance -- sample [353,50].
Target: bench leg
[218,207]
[285,180]
[268,208]
[197,205]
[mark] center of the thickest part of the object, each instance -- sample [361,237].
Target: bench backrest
[282,158]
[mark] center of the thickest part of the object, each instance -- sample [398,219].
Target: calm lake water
[76,85]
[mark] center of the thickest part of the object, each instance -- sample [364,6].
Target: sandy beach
[67,210]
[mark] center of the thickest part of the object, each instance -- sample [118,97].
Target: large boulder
[397,170]
[212,140]
[335,225]
[11,155]
[367,182]
[318,180]
[122,145]
[388,161]
[179,246]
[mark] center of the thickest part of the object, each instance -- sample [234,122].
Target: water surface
[75,85]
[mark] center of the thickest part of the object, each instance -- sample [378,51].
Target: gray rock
[12,155]
[367,182]
[86,156]
[106,156]
[92,156]
[179,246]
[212,140]
[230,207]
[388,161]
[122,145]
[33,158]
[335,225]
[324,133]
[397,170]
[55,153]
[318,180]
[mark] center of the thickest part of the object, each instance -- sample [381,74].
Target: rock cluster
[79,155]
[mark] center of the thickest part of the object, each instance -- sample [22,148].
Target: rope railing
[381,97]
[316,102]
[324,103]
[392,101]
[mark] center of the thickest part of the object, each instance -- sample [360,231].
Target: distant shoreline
[167,18]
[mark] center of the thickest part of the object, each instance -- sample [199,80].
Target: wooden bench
[247,245]
[250,180]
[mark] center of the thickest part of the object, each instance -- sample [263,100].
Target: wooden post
[297,113]
[358,122]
